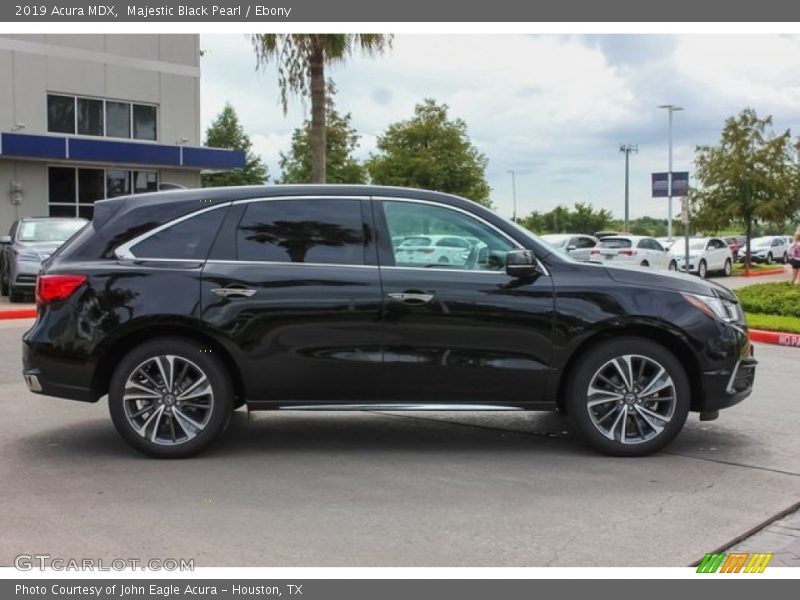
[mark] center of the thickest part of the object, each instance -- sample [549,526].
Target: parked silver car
[30,241]
[578,246]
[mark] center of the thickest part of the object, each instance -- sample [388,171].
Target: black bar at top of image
[263,11]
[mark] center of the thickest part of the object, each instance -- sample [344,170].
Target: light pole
[514,193]
[671,108]
[627,149]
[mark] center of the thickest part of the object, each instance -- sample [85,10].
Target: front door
[462,331]
[292,289]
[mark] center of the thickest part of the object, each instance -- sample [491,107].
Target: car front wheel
[728,269]
[169,398]
[628,397]
[702,269]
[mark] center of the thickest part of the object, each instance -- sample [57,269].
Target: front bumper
[725,388]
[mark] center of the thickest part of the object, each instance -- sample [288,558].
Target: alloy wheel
[631,399]
[168,400]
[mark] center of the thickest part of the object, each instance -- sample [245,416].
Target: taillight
[594,251]
[52,288]
[628,252]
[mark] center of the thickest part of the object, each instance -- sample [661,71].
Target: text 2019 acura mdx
[183,306]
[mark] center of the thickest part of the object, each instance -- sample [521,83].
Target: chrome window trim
[123,251]
[304,197]
[514,242]
[223,261]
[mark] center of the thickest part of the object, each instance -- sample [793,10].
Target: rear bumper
[41,374]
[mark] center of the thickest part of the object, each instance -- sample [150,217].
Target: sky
[554,109]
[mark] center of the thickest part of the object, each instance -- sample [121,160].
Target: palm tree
[301,60]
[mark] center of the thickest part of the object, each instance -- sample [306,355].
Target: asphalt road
[413,489]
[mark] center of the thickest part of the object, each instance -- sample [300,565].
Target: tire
[443,260]
[785,258]
[728,268]
[769,258]
[644,438]
[184,427]
[673,266]
[3,285]
[702,269]
[644,263]
[14,295]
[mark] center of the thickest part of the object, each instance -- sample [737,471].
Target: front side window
[190,239]
[60,114]
[477,246]
[302,231]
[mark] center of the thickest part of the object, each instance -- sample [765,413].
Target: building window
[144,122]
[97,117]
[73,192]
[90,116]
[61,114]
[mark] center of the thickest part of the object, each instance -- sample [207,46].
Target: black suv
[182,306]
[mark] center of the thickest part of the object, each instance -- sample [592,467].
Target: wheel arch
[112,355]
[667,338]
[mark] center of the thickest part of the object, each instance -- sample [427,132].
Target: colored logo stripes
[734,562]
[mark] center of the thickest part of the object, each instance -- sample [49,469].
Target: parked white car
[769,249]
[433,249]
[706,254]
[633,249]
[578,246]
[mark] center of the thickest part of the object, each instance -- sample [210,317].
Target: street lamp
[627,149]
[514,193]
[671,108]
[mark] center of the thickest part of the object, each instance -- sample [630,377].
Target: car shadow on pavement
[263,433]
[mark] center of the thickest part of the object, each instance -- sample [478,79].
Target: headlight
[28,256]
[718,308]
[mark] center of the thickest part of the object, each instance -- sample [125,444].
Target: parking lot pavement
[782,538]
[735,282]
[376,489]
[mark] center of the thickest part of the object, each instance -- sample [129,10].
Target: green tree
[431,151]
[582,219]
[749,177]
[341,140]
[301,59]
[227,132]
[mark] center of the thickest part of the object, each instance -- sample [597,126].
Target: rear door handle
[411,297]
[234,292]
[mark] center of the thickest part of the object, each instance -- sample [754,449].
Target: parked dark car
[30,241]
[182,306]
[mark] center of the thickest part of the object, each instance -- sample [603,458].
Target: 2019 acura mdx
[182,306]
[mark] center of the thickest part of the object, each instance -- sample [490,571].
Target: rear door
[292,289]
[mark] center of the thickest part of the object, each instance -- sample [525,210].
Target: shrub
[771,299]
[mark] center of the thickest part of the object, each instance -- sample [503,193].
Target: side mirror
[571,247]
[521,264]
[5,239]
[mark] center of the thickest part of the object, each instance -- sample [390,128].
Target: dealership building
[86,117]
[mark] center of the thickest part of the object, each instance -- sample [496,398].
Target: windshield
[557,241]
[697,244]
[761,242]
[49,231]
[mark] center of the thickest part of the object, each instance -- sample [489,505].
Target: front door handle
[234,292]
[411,297]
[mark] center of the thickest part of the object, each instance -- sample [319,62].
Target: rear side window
[302,231]
[614,243]
[190,239]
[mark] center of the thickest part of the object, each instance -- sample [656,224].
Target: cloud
[552,108]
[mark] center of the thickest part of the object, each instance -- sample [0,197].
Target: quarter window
[190,239]
[302,231]
[480,247]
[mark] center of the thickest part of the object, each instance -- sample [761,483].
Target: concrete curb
[779,338]
[18,313]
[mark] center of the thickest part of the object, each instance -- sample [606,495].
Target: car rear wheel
[628,397]
[702,269]
[169,399]
[14,294]
[3,285]
[673,266]
[644,263]
[769,258]
[728,268]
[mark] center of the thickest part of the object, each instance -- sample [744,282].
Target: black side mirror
[521,264]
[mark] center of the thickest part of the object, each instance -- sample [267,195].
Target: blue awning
[54,147]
